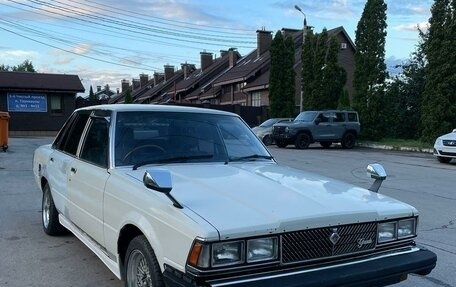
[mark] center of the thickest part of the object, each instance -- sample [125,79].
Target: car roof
[154,108]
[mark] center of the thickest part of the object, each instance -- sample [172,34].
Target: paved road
[30,258]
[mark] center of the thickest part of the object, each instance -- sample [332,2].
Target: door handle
[73,170]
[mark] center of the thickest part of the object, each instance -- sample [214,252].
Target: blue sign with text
[32,103]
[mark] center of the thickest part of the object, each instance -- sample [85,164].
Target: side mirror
[160,180]
[317,121]
[454,130]
[377,172]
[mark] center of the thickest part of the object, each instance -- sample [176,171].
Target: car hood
[248,199]
[450,136]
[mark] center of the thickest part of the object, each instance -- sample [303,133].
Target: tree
[370,69]
[25,66]
[282,77]
[405,94]
[439,98]
[322,77]
[92,96]
[128,98]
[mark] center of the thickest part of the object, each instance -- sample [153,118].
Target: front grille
[278,130]
[314,244]
[449,142]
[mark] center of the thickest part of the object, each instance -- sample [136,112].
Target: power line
[80,55]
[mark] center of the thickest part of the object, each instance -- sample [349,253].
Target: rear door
[65,147]
[87,179]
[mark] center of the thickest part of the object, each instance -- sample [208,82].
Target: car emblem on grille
[363,241]
[334,236]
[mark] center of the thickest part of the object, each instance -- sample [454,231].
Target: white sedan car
[175,196]
[445,147]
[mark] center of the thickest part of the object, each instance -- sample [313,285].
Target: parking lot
[31,258]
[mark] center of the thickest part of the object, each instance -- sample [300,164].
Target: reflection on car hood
[258,198]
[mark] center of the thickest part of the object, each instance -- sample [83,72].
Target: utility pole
[304,34]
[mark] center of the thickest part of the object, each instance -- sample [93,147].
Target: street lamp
[304,33]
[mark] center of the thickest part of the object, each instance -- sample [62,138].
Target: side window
[352,117]
[62,136]
[74,135]
[323,118]
[340,117]
[95,147]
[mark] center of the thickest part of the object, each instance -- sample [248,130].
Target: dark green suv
[325,127]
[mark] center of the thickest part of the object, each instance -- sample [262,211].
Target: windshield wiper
[176,159]
[250,157]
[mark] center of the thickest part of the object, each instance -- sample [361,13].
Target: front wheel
[141,266]
[50,215]
[267,140]
[281,144]
[348,141]
[302,141]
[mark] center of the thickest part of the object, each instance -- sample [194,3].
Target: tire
[444,159]
[325,144]
[348,140]
[141,266]
[267,140]
[282,144]
[302,141]
[50,215]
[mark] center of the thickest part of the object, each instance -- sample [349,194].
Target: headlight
[438,142]
[396,230]
[287,129]
[227,253]
[262,249]
[406,228]
[386,232]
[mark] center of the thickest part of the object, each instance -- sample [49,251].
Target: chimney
[264,39]
[125,84]
[169,72]
[232,56]
[158,78]
[136,84]
[223,53]
[206,60]
[143,79]
[186,69]
[98,88]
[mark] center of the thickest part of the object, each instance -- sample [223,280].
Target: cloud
[82,49]
[409,7]
[17,55]
[324,9]
[423,26]
[63,60]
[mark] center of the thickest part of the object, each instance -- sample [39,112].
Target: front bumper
[380,270]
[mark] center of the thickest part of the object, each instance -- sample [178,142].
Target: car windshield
[306,116]
[268,123]
[180,137]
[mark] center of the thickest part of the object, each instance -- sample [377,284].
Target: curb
[397,148]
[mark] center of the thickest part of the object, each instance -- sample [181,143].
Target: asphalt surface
[30,258]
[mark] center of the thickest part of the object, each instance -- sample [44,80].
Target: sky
[105,41]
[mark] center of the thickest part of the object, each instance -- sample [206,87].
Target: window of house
[256,99]
[56,104]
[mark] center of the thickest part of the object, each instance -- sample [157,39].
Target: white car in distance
[445,147]
[177,196]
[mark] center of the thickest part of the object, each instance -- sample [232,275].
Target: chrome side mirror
[454,130]
[160,180]
[377,172]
